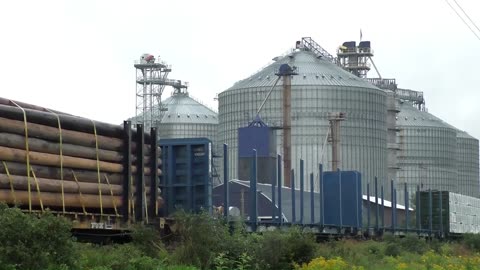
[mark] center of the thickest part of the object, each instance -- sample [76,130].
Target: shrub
[148,241]
[31,242]
[200,239]
[472,241]
[280,249]
[392,249]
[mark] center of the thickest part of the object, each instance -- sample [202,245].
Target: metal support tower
[335,119]
[286,72]
[151,79]
[355,58]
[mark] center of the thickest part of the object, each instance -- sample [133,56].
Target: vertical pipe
[407,214]
[140,177]
[377,207]
[292,178]
[368,205]
[417,209]
[320,184]
[302,175]
[287,128]
[127,168]
[430,221]
[154,172]
[274,202]
[395,209]
[340,197]
[226,187]
[279,177]
[312,201]
[441,213]
[383,205]
[358,200]
[253,192]
[169,164]
[191,202]
[393,205]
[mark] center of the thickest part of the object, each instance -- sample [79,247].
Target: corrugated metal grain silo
[467,164]
[185,117]
[320,87]
[427,152]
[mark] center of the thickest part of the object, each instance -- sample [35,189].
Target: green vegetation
[201,242]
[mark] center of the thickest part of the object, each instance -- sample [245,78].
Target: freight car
[449,213]
[100,175]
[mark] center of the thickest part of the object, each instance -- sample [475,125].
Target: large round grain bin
[320,88]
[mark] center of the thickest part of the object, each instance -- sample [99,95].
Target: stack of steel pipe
[50,159]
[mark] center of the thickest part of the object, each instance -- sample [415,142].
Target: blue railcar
[342,190]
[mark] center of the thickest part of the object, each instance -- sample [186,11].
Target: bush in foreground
[31,242]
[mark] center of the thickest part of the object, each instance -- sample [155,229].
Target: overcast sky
[77,56]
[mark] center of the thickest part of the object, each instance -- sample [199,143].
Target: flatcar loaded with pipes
[102,176]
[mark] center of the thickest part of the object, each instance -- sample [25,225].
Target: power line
[463,20]
[466,15]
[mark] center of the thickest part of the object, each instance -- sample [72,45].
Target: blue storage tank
[257,135]
[342,198]
[186,180]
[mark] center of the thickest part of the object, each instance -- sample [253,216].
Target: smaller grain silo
[427,152]
[467,164]
[257,135]
[185,117]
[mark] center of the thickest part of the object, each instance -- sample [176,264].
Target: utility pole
[286,72]
[335,119]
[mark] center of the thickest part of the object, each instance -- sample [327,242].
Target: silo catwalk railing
[336,209]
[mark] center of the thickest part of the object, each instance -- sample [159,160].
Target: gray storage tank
[319,88]
[467,164]
[185,117]
[427,152]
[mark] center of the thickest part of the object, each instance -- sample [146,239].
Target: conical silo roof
[181,108]
[312,70]
[411,116]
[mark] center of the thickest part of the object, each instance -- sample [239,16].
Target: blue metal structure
[342,199]
[257,135]
[186,181]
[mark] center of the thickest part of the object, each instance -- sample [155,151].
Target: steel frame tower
[151,79]
[150,75]
[355,58]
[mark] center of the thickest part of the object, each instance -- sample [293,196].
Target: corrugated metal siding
[427,152]
[467,164]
